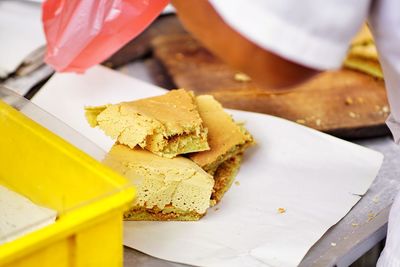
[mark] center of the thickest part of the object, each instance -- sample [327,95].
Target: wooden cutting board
[344,103]
[140,46]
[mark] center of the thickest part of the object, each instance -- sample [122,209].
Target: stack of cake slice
[182,152]
[227,140]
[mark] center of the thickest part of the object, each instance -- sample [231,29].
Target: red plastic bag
[82,33]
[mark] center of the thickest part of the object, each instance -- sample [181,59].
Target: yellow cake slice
[368,66]
[363,55]
[225,137]
[167,125]
[167,189]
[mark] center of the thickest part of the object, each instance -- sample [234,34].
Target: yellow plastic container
[89,197]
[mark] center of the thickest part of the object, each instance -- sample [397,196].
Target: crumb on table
[242,77]
[237,183]
[348,100]
[360,100]
[385,109]
[353,115]
[371,216]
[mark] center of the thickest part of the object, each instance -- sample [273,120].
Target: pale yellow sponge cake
[166,125]
[363,55]
[167,189]
[227,140]
[225,137]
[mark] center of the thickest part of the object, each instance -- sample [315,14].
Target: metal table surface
[363,227]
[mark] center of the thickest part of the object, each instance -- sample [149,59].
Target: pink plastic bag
[82,33]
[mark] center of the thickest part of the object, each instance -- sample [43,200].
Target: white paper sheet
[20,33]
[66,95]
[315,177]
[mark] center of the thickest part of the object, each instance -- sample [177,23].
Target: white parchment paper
[315,177]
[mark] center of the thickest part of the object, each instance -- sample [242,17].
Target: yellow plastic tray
[89,197]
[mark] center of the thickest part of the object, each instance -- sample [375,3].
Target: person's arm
[265,68]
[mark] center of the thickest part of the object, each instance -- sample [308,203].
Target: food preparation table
[360,230]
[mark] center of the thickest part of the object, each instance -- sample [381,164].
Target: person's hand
[265,68]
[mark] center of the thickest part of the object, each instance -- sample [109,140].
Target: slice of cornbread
[167,125]
[225,137]
[167,189]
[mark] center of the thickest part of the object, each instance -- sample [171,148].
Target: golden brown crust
[166,125]
[162,182]
[224,177]
[143,214]
[176,110]
[224,135]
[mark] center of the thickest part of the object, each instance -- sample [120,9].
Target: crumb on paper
[318,122]
[237,183]
[375,199]
[353,115]
[346,237]
[333,244]
[216,209]
[242,77]
[348,100]
[354,224]
[301,121]
[281,210]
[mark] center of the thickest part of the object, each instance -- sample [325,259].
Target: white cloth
[390,257]
[317,34]
[385,23]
